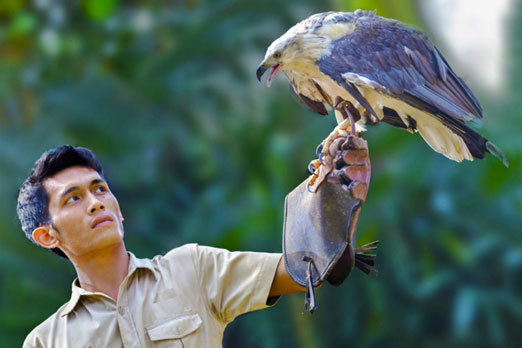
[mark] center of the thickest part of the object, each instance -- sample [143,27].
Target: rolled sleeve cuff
[264,282]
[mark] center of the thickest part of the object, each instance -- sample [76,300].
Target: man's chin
[106,243]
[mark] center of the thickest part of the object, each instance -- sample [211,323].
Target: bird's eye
[277,55]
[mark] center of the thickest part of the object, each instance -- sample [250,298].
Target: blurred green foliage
[197,151]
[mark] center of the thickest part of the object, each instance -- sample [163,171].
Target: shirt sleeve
[32,341]
[235,282]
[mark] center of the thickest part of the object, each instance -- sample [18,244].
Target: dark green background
[197,150]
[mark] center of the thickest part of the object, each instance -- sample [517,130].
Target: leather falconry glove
[319,227]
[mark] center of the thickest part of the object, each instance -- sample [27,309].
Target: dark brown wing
[314,105]
[406,63]
[411,69]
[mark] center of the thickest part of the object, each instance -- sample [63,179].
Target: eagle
[383,70]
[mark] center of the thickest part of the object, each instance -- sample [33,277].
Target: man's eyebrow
[69,190]
[97,181]
[73,188]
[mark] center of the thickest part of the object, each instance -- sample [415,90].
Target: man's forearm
[283,284]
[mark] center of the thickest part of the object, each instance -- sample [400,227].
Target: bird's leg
[326,152]
[348,112]
[349,116]
[321,167]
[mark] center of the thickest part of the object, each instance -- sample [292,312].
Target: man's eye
[72,199]
[100,189]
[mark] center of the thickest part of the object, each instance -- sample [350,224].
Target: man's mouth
[101,221]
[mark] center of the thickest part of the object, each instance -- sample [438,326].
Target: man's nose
[95,205]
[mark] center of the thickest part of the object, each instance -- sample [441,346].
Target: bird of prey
[384,71]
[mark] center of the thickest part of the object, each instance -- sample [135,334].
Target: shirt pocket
[179,331]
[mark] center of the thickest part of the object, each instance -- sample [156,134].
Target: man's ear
[44,237]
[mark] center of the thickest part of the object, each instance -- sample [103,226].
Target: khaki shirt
[182,299]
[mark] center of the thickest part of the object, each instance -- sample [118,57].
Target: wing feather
[313,105]
[406,63]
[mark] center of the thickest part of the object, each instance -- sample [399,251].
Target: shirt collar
[135,263]
[77,292]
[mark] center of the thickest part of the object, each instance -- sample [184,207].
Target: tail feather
[495,151]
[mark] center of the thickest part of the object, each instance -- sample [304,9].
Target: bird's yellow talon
[315,164]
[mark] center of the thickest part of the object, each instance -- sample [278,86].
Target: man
[184,298]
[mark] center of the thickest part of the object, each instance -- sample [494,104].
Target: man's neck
[104,270]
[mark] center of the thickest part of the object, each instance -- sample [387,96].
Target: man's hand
[352,165]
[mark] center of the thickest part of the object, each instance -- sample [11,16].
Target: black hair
[33,200]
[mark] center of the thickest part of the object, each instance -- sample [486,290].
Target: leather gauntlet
[319,227]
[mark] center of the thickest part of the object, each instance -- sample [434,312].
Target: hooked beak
[260,71]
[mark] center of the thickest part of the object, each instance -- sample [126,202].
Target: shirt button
[121,310]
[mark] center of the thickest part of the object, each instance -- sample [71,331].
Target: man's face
[85,214]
